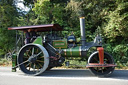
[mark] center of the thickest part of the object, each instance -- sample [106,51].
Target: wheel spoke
[25,57]
[27,65]
[32,51]
[34,67]
[97,69]
[40,61]
[96,60]
[38,53]
[37,68]
[23,62]
[30,66]
[42,57]
[40,65]
[27,54]
[28,51]
[102,69]
[105,68]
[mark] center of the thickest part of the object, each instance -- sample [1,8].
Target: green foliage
[117,22]
[4,62]
[121,52]
[48,12]
[77,64]
[8,17]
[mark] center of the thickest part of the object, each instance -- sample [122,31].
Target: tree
[8,18]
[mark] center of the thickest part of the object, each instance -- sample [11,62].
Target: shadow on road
[117,74]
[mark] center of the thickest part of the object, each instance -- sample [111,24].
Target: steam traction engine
[50,50]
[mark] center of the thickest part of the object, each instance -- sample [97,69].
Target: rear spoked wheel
[101,71]
[33,59]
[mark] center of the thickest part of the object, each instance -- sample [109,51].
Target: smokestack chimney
[82,29]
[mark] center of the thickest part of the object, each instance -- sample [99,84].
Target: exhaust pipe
[82,29]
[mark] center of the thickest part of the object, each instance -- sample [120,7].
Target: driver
[30,35]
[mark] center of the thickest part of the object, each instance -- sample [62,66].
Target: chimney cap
[82,17]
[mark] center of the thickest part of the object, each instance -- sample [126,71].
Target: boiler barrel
[74,52]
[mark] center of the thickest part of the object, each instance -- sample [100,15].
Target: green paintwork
[60,43]
[72,52]
[38,40]
[14,62]
[78,40]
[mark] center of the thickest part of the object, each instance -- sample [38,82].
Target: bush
[120,54]
[4,62]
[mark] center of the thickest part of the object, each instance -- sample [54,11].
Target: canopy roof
[39,28]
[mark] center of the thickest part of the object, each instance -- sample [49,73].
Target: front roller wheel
[33,59]
[101,71]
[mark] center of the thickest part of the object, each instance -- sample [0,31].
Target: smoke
[76,6]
